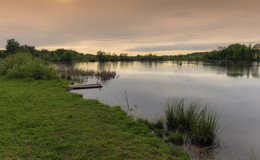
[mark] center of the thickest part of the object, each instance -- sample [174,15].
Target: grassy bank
[40,119]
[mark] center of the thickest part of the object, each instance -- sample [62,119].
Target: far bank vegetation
[233,52]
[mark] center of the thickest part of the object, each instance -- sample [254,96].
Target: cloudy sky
[133,26]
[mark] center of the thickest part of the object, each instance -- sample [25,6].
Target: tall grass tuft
[200,123]
[179,116]
[204,129]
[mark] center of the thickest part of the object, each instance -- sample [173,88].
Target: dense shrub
[24,65]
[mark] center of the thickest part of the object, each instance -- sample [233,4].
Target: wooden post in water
[127,101]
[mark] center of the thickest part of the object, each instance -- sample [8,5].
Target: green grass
[155,125]
[159,132]
[175,137]
[40,119]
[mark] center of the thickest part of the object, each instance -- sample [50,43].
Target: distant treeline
[103,56]
[237,52]
[13,47]
[233,52]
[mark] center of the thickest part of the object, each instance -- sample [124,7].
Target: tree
[12,46]
[2,54]
[101,55]
[26,48]
[67,56]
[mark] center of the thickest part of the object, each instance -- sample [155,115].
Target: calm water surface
[233,89]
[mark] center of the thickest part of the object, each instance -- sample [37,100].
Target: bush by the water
[24,65]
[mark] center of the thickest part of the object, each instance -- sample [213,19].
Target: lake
[230,88]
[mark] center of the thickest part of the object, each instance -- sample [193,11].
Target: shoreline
[40,119]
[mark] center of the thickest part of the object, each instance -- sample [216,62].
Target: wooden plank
[86,86]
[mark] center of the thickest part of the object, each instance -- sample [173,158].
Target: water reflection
[82,75]
[235,69]
[231,69]
[125,65]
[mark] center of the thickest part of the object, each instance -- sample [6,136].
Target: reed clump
[200,123]
[79,74]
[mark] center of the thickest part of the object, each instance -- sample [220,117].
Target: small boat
[85,86]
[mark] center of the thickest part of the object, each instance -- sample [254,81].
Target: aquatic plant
[80,74]
[205,127]
[200,123]
[179,116]
[105,75]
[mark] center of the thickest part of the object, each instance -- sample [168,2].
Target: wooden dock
[85,86]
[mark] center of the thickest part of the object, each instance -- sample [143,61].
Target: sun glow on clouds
[65,1]
[133,26]
[91,47]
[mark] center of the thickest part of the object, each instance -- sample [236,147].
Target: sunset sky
[133,26]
